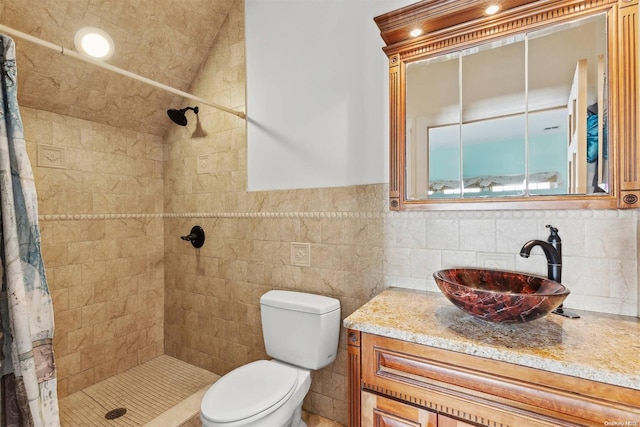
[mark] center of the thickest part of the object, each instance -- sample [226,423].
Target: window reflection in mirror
[522,115]
[493,86]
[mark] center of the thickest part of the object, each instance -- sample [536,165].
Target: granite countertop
[599,347]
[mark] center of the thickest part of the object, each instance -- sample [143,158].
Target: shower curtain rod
[109,67]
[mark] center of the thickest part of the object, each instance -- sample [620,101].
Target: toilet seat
[258,387]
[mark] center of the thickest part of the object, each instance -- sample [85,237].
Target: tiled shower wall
[100,203]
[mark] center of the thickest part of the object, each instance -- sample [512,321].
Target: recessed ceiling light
[492,9]
[94,42]
[415,32]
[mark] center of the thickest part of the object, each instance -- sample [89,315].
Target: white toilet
[301,334]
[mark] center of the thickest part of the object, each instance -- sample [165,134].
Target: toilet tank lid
[300,301]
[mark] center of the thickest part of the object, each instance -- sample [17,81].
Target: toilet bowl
[265,393]
[300,332]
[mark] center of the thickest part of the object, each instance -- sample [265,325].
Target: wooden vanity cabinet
[394,383]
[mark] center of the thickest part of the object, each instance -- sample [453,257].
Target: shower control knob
[196,237]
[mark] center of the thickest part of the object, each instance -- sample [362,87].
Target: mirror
[522,119]
[504,130]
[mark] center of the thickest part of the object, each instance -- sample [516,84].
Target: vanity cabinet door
[378,411]
[450,422]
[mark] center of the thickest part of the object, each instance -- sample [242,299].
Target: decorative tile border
[93,217]
[547,214]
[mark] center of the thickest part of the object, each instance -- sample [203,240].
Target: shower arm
[109,67]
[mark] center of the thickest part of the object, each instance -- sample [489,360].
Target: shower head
[178,116]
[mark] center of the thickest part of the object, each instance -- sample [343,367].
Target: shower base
[161,392]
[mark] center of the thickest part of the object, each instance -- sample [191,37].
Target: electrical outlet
[301,254]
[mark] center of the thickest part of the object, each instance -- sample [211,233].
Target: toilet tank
[300,328]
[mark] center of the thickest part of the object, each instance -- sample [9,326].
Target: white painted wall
[317,93]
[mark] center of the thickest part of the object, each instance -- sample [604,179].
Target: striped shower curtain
[28,395]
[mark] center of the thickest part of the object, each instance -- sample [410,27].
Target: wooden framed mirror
[533,107]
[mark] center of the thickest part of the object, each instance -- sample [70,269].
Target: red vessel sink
[500,296]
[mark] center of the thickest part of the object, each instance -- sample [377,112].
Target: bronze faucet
[552,249]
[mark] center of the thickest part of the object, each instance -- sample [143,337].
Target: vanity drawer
[381,411]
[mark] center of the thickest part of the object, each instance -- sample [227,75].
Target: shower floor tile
[146,391]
